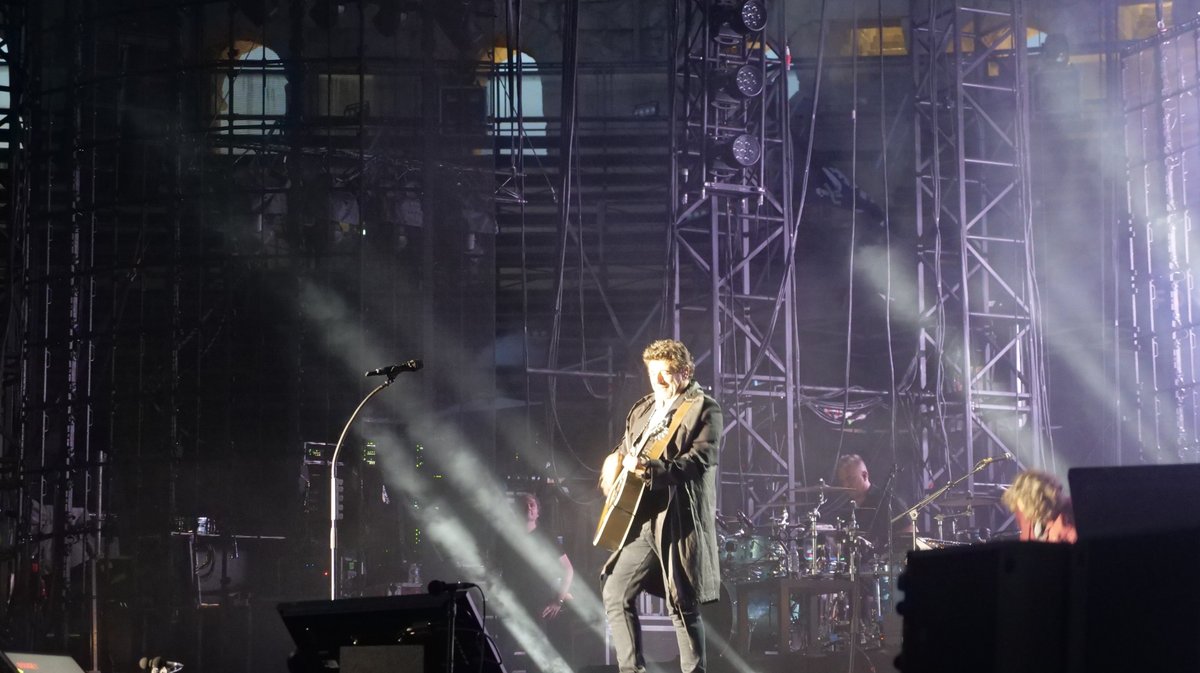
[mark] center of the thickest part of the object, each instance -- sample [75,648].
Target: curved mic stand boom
[913,511]
[335,570]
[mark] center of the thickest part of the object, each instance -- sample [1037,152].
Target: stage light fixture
[744,16]
[735,153]
[1056,49]
[735,85]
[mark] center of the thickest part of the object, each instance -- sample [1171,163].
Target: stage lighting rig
[742,17]
[734,153]
[734,85]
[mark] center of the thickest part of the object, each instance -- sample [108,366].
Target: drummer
[871,511]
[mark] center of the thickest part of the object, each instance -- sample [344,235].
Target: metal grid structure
[221,192]
[1162,129]
[14,201]
[981,393]
[732,284]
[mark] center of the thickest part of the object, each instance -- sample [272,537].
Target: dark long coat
[687,476]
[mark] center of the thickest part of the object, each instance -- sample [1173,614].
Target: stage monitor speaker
[332,635]
[1135,499]
[1135,603]
[995,608]
[27,662]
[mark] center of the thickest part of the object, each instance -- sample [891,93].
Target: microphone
[392,370]
[995,459]
[439,587]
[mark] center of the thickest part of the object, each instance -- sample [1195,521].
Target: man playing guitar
[660,516]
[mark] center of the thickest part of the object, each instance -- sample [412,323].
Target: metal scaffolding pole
[14,201]
[980,350]
[731,275]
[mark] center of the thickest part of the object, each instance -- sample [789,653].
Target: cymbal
[965,500]
[821,488]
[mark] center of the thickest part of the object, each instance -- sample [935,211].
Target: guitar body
[620,509]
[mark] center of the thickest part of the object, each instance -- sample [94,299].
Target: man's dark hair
[674,353]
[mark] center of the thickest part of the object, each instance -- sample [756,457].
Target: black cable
[853,236]
[887,232]
[855,589]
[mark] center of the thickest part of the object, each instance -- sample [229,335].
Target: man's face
[661,381]
[531,510]
[857,478]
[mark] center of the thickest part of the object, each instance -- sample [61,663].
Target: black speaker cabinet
[389,634]
[996,608]
[1136,599]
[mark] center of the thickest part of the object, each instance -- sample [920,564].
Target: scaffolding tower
[731,289]
[223,212]
[980,391]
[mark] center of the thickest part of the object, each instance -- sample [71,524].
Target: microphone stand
[911,512]
[335,568]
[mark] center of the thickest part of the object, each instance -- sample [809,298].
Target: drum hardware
[817,563]
[973,535]
[940,520]
[830,587]
[821,489]
[968,500]
[963,499]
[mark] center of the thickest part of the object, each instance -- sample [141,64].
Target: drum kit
[817,585]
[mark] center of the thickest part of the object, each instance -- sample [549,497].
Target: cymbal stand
[941,520]
[812,551]
[855,594]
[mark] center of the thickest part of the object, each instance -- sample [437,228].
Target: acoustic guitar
[621,506]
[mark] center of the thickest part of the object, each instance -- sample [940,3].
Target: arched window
[254,93]
[503,105]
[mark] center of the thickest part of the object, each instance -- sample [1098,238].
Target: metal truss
[14,200]
[1158,83]
[732,282]
[979,353]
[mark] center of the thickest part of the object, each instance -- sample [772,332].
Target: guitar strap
[653,419]
[657,448]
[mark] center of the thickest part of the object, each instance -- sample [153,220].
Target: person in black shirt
[539,574]
[870,510]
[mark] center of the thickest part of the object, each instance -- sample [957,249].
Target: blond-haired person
[1043,512]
